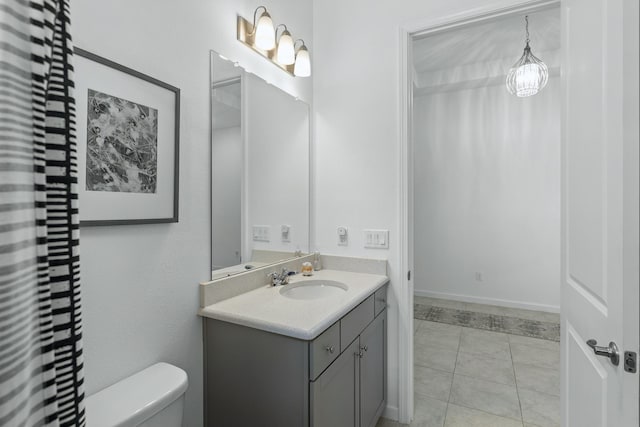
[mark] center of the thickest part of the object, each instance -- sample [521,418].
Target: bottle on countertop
[317,264]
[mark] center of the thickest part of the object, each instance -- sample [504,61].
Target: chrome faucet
[278,279]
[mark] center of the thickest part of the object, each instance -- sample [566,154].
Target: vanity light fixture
[264,34]
[285,53]
[302,67]
[281,51]
[529,75]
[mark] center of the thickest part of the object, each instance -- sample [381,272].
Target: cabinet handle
[330,349]
[359,354]
[382,300]
[365,348]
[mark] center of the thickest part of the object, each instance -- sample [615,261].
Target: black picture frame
[172,206]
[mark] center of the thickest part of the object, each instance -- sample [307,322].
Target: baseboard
[489,301]
[391,413]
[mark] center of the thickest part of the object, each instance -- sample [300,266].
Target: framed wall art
[128,131]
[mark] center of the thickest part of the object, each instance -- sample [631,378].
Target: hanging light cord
[526,20]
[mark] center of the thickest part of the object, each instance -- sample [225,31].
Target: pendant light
[265,35]
[285,53]
[302,67]
[529,74]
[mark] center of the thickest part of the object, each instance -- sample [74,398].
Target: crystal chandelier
[529,75]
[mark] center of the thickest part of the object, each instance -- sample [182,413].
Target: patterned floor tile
[491,322]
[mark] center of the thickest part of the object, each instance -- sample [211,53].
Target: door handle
[611,352]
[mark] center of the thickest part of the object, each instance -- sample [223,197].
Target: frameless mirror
[259,171]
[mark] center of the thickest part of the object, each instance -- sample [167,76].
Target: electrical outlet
[343,236]
[377,239]
[261,233]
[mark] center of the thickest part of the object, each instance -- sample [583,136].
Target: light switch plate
[376,239]
[261,233]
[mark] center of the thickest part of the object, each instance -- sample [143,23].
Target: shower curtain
[41,365]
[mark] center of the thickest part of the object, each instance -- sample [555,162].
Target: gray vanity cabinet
[373,343]
[257,378]
[334,395]
[351,392]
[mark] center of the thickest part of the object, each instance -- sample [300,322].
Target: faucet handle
[274,278]
[286,273]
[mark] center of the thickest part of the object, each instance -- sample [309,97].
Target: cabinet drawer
[323,350]
[355,321]
[380,299]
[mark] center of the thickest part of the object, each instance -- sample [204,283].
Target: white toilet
[153,397]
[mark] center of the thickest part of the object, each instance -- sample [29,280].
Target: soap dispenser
[317,264]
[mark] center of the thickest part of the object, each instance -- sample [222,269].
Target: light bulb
[286,55]
[527,80]
[302,68]
[265,38]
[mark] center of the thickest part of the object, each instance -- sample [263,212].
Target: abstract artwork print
[122,145]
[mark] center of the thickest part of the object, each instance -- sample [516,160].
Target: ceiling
[498,39]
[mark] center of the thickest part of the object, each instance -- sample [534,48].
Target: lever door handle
[611,352]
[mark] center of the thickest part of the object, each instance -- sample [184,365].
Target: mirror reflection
[260,171]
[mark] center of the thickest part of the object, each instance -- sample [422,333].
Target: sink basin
[313,289]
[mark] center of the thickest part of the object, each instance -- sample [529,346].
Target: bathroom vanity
[302,354]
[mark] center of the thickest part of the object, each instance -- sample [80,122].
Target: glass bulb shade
[302,68]
[286,55]
[265,37]
[527,76]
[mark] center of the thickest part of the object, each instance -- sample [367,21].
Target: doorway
[486,225]
[618,319]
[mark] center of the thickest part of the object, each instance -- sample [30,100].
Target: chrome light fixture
[265,35]
[529,74]
[302,67]
[285,53]
[280,51]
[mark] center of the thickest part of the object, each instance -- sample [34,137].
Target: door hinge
[630,362]
[409,275]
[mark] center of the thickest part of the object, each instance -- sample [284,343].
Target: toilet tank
[152,397]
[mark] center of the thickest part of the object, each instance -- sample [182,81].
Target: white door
[600,210]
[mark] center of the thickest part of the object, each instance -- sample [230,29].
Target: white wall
[140,293]
[226,183]
[487,196]
[356,102]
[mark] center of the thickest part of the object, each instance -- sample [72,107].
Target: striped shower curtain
[41,365]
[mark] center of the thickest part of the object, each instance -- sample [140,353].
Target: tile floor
[465,377]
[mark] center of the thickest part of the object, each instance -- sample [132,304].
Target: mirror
[260,140]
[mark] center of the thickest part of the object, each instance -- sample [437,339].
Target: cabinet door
[335,394]
[373,374]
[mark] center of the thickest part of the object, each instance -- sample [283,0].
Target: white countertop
[266,309]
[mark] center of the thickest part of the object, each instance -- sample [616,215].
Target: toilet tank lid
[136,398]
